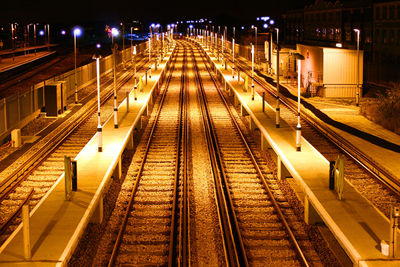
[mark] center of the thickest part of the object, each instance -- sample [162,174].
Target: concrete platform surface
[57,224]
[7,64]
[24,49]
[348,114]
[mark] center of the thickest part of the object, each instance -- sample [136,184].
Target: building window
[378,12]
[377,36]
[398,11]
[384,37]
[338,34]
[391,37]
[391,12]
[384,12]
[398,37]
[348,35]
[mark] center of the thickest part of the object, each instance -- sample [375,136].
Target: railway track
[44,167]
[154,226]
[370,179]
[260,227]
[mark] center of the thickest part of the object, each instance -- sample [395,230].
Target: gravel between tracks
[206,243]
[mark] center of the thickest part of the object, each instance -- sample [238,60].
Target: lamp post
[219,33]
[252,72]
[358,68]
[12,36]
[233,54]
[299,58]
[222,49]
[34,34]
[225,32]
[28,36]
[277,119]
[77,32]
[114,33]
[123,45]
[255,35]
[48,36]
[212,44]
[131,47]
[270,52]
[150,57]
[99,128]
[134,61]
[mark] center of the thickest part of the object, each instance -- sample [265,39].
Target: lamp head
[97,54]
[298,56]
[77,31]
[114,32]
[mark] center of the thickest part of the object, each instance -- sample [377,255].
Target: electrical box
[64,95]
[53,99]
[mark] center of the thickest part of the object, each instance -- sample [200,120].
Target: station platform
[378,144]
[6,52]
[10,63]
[57,224]
[384,155]
[357,225]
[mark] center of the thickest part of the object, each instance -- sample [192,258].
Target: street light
[299,58]
[255,34]
[252,72]
[277,119]
[12,36]
[48,36]
[233,54]
[150,58]
[77,32]
[97,57]
[34,35]
[123,44]
[358,67]
[114,33]
[134,69]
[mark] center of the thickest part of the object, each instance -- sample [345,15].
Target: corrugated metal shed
[335,69]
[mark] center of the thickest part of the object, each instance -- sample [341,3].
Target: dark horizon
[45,11]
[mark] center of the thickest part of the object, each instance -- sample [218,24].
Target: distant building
[385,57]
[332,23]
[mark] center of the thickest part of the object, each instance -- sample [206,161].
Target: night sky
[74,11]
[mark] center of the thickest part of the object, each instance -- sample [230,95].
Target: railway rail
[372,180]
[255,214]
[154,226]
[45,166]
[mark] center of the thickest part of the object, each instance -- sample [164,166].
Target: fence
[17,110]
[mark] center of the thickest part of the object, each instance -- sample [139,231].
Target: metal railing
[17,110]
